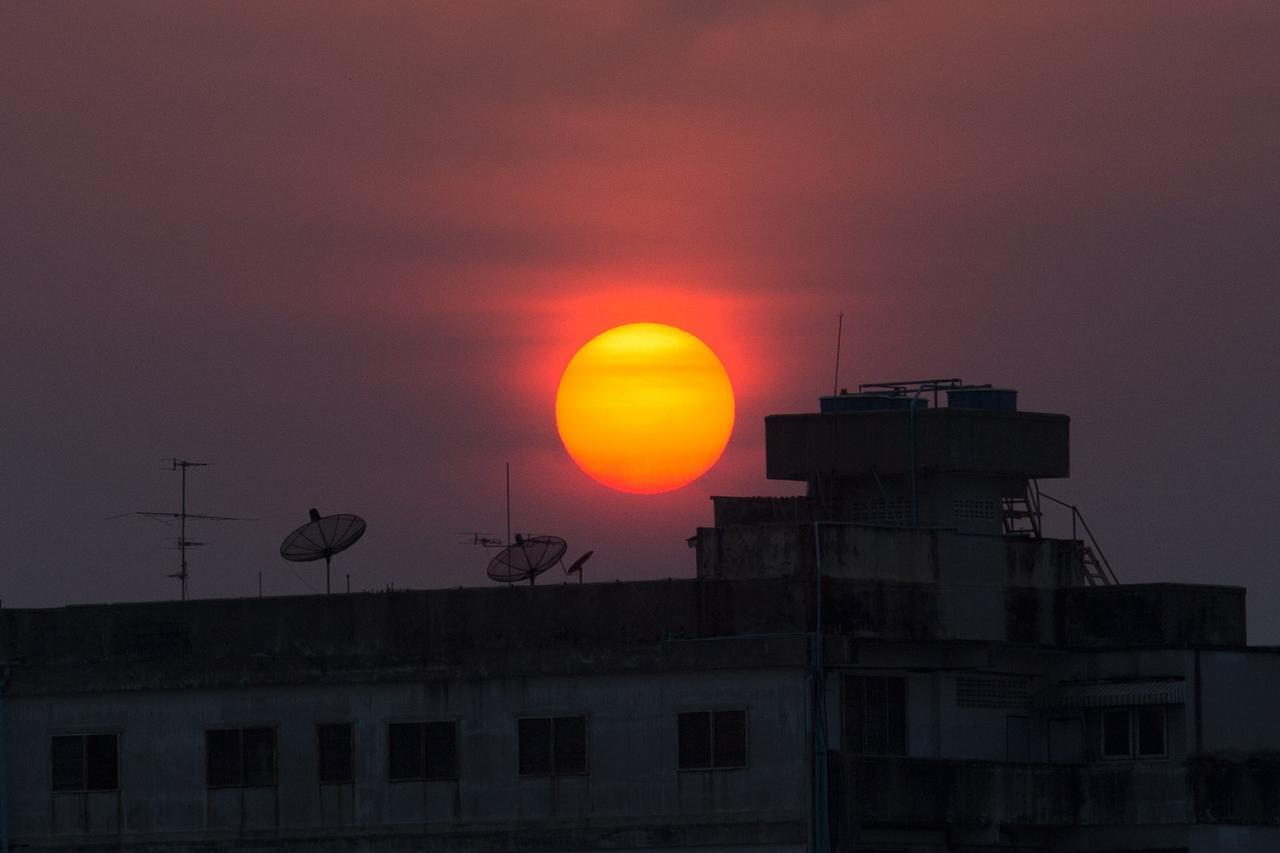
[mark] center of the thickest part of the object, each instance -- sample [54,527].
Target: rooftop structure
[898,660]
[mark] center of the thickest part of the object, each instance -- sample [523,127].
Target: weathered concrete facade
[888,663]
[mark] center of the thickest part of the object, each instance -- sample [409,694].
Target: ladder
[1096,573]
[1022,514]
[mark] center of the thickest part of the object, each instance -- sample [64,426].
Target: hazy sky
[343,251]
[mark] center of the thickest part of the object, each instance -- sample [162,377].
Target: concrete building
[897,662]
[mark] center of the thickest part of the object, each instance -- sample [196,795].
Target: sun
[645,408]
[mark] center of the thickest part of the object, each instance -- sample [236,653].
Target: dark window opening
[334,750]
[240,758]
[1017,738]
[552,745]
[711,740]
[427,750]
[1115,734]
[875,714]
[442,750]
[85,762]
[1134,733]
[1150,726]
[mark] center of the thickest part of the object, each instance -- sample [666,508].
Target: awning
[1110,694]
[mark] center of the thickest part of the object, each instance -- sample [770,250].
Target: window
[1115,734]
[711,740]
[1148,726]
[1017,738]
[240,758]
[552,746]
[333,747]
[1134,733]
[1066,740]
[875,714]
[85,762]
[426,750]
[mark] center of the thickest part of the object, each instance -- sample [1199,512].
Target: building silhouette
[899,661]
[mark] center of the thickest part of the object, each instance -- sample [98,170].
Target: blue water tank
[841,403]
[986,399]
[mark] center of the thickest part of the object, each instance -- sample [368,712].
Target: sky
[343,251]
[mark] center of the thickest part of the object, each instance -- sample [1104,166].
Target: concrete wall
[1233,839]
[1021,444]
[868,552]
[886,791]
[1158,614]
[633,779]
[908,583]
[1240,702]
[404,625]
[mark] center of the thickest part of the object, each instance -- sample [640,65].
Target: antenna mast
[835,386]
[176,464]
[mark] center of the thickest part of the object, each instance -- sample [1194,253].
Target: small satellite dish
[527,558]
[576,566]
[321,538]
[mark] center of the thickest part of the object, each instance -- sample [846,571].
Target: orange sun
[645,408]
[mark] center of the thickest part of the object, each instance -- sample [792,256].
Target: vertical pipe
[821,842]
[1199,708]
[4,761]
[182,530]
[508,503]
[915,500]
[915,504]
[835,385]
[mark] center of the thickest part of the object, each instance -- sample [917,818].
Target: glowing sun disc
[645,408]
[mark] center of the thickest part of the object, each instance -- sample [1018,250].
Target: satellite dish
[322,537]
[576,566]
[527,558]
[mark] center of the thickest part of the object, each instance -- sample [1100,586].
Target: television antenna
[322,537]
[484,539]
[175,464]
[528,556]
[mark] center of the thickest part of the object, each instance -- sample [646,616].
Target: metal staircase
[1096,571]
[1022,514]
[1096,568]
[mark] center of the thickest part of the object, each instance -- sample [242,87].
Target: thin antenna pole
[182,530]
[181,466]
[508,503]
[327,589]
[835,385]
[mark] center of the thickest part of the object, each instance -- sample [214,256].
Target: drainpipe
[1199,705]
[911,416]
[818,726]
[4,764]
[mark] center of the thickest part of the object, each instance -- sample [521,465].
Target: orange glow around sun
[645,408]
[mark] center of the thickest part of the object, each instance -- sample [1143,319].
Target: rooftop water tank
[986,399]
